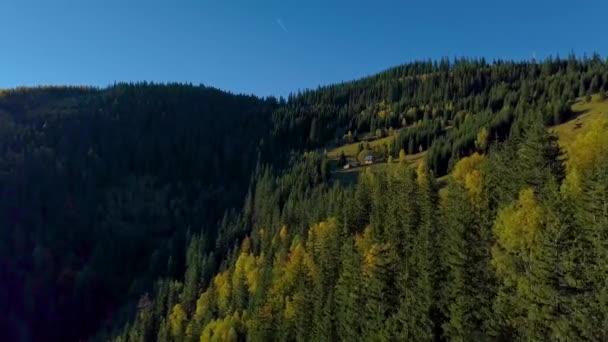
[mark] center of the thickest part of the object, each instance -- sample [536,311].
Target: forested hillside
[439,106]
[179,213]
[100,189]
[514,248]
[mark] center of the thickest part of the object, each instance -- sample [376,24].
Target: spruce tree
[348,294]
[539,153]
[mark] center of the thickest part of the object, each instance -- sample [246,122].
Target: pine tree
[422,259]
[379,283]
[177,321]
[348,295]
[539,153]
[192,277]
[592,219]
[456,302]
[240,292]
[315,132]
[525,257]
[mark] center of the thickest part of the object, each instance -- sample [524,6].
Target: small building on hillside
[350,165]
[369,159]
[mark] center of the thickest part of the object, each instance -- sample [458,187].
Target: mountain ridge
[138,201]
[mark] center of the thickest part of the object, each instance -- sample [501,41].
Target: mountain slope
[99,187]
[176,212]
[492,258]
[587,115]
[439,106]
[504,252]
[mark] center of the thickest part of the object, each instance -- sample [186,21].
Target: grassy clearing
[350,150]
[350,176]
[587,114]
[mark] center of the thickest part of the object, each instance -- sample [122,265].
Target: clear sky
[275,47]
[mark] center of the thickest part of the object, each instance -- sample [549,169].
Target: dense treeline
[98,189]
[514,248]
[441,106]
[173,212]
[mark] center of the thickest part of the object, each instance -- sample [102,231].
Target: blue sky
[275,47]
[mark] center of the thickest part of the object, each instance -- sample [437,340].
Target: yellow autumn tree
[221,330]
[517,230]
[246,265]
[283,233]
[365,241]
[223,289]
[524,257]
[177,321]
[423,174]
[299,261]
[586,152]
[402,156]
[467,173]
[205,306]
[481,142]
[246,245]
[320,235]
